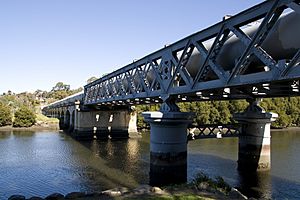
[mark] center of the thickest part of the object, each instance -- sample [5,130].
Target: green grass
[43,118]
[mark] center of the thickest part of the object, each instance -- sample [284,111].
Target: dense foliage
[220,112]
[60,91]
[5,115]
[24,117]
[12,104]
[288,110]
[209,112]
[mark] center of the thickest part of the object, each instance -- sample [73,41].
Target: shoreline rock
[140,192]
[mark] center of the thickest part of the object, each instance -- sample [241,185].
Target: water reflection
[40,163]
[5,134]
[256,185]
[23,133]
[124,155]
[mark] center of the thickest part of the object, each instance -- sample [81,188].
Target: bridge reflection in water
[41,163]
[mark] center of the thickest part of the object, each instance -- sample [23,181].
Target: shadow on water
[38,164]
[218,158]
[257,185]
[118,162]
[215,157]
[261,185]
[42,163]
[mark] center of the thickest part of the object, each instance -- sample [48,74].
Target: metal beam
[154,76]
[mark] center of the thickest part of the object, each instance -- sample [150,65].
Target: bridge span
[252,55]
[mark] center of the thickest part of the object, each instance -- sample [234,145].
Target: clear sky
[43,42]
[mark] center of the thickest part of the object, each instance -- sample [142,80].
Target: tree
[60,86]
[283,120]
[92,79]
[225,114]
[5,115]
[24,117]
[202,116]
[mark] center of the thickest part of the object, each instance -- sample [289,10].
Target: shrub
[24,117]
[202,181]
[220,183]
[5,115]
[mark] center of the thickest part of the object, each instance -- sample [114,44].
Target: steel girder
[163,74]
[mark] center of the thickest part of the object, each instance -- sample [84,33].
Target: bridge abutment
[255,138]
[168,146]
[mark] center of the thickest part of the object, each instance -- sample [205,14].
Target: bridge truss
[204,131]
[164,74]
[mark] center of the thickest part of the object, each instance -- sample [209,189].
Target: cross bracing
[257,70]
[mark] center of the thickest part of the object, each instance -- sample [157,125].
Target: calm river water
[41,163]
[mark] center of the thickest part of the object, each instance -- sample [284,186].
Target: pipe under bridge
[252,55]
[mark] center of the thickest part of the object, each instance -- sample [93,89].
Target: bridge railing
[214,131]
[164,73]
[65,101]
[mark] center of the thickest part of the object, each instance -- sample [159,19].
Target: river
[40,163]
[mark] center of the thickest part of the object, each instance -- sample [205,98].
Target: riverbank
[184,191]
[42,123]
[286,129]
[37,127]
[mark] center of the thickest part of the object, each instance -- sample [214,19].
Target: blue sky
[43,42]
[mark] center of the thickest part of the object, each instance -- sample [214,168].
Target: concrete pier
[104,124]
[255,138]
[122,124]
[168,146]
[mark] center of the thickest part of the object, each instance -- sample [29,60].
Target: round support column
[255,138]
[168,146]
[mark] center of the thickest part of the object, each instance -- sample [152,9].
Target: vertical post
[77,109]
[168,144]
[255,138]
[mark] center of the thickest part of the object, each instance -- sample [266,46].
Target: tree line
[221,112]
[21,110]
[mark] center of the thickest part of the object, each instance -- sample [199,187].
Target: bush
[220,112]
[202,181]
[24,117]
[5,115]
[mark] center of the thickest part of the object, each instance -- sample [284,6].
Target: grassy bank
[42,123]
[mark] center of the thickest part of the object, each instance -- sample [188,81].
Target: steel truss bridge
[166,74]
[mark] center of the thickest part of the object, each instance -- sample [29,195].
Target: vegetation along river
[41,163]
